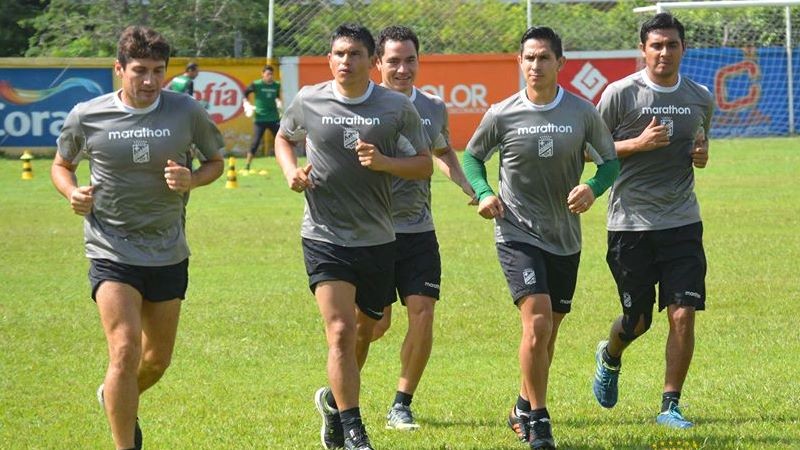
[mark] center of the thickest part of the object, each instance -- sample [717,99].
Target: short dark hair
[396,33]
[355,32]
[268,68]
[138,42]
[191,66]
[661,21]
[542,34]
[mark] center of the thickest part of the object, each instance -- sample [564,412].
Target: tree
[14,27]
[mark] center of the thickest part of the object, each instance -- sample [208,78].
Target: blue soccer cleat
[605,379]
[673,418]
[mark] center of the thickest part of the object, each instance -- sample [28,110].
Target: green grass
[251,350]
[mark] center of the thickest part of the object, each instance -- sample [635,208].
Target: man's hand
[491,207]
[370,157]
[580,199]
[700,150]
[299,180]
[654,136]
[179,178]
[81,200]
[248,108]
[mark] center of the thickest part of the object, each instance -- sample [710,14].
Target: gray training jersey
[136,219]
[351,205]
[655,189]
[541,161]
[412,198]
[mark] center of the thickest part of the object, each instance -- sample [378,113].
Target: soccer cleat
[330,433]
[605,379]
[673,418]
[541,435]
[519,425]
[137,432]
[357,439]
[401,418]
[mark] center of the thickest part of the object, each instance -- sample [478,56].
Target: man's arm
[296,177]
[418,167]
[447,161]
[62,174]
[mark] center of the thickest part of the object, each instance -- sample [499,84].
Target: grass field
[251,350]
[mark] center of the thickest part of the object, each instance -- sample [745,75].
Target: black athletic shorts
[673,258]
[418,267]
[258,133]
[530,270]
[369,269]
[156,284]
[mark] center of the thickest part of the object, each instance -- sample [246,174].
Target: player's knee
[538,334]
[635,326]
[155,365]
[125,357]
[682,318]
[421,313]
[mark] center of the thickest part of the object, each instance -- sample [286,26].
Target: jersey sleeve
[443,140]
[293,125]
[486,138]
[412,129]
[206,136]
[599,138]
[609,107]
[250,89]
[72,140]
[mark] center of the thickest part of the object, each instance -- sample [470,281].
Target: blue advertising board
[35,101]
[749,86]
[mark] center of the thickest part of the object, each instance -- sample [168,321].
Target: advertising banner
[35,101]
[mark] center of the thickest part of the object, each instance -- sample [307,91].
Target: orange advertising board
[468,84]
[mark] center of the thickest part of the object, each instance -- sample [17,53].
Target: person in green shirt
[185,83]
[267,108]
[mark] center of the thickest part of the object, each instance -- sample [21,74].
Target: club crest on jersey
[141,152]
[545,146]
[529,276]
[350,138]
[669,124]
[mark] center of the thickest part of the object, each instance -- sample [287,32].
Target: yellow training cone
[231,183]
[27,169]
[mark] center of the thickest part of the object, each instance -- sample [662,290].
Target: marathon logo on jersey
[141,152]
[529,276]
[143,132]
[426,122]
[353,120]
[350,138]
[550,128]
[669,124]
[667,109]
[545,146]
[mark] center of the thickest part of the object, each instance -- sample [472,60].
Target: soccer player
[135,141]
[185,83]
[358,136]
[267,93]
[418,267]
[659,120]
[540,134]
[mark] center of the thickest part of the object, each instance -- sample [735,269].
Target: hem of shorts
[659,227]
[537,244]
[130,262]
[348,244]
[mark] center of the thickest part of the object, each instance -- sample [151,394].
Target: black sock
[613,361]
[537,414]
[523,406]
[669,397]
[351,419]
[403,398]
[330,400]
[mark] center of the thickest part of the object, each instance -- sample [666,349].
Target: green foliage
[251,348]
[14,27]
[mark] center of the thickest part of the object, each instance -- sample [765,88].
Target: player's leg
[258,136]
[681,292]
[335,300]
[166,287]
[383,325]
[119,305]
[273,128]
[365,326]
[631,259]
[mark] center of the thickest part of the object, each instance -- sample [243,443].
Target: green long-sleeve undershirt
[475,171]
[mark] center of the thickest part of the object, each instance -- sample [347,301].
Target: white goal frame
[787,4]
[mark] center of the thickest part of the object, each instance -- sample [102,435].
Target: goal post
[743,52]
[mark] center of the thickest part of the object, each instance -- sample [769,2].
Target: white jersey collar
[559,95]
[657,88]
[131,109]
[352,100]
[413,95]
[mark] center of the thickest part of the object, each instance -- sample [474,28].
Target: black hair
[543,34]
[396,33]
[355,32]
